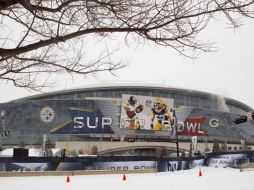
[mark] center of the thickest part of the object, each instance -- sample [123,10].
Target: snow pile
[211,179]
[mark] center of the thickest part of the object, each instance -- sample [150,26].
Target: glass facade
[72,110]
[181,97]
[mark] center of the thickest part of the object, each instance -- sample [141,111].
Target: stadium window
[115,94]
[89,94]
[99,94]
[194,101]
[235,148]
[78,96]
[229,148]
[178,99]
[185,100]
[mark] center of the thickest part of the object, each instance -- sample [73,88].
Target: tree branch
[44,43]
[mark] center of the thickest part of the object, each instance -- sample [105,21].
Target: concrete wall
[87,146]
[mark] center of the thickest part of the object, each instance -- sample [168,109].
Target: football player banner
[144,112]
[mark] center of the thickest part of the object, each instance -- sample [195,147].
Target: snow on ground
[6,152]
[212,179]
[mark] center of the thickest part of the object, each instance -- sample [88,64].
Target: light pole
[3,127]
[176,126]
[44,139]
[2,118]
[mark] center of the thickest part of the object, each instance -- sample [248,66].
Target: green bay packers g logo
[47,114]
[214,122]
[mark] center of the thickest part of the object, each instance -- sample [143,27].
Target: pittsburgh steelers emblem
[47,114]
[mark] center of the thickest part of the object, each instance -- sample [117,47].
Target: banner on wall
[196,163]
[144,112]
[27,166]
[175,165]
[224,160]
[192,126]
[85,121]
[131,165]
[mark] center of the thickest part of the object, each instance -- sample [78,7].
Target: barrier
[72,173]
[247,166]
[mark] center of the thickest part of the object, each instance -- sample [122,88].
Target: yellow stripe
[69,121]
[46,168]
[59,166]
[60,126]
[79,109]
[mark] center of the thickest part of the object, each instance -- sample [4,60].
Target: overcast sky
[227,72]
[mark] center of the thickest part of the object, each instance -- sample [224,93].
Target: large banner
[144,112]
[174,165]
[16,166]
[225,160]
[84,121]
[25,122]
[121,165]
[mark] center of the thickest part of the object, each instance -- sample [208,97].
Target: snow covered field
[212,179]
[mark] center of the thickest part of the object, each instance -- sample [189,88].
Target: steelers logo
[47,114]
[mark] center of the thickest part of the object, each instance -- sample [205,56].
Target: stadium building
[126,119]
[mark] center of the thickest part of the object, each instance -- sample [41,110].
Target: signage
[192,126]
[84,121]
[145,112]
[5,133]
[47,114]
[214,123]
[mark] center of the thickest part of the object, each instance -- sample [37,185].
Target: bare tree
[49,34]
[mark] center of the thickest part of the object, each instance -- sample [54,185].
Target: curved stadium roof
[134,88]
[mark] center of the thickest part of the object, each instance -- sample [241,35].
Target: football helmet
[132,100]
[158,103]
